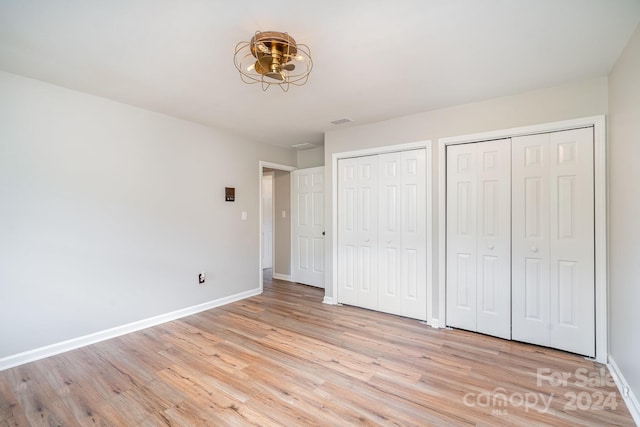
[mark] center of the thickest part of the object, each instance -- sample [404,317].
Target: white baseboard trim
[74,343]
[629,398]
[328,300]
[434,323]
[285,277]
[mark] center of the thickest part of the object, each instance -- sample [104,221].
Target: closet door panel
[390,211]
[347,231]
[358,231]
[461,302]
[572,242]
[402,237]
[413,235]
[494,238]
[530,239]
[367,232]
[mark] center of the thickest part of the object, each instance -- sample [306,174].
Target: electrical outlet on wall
[201,278]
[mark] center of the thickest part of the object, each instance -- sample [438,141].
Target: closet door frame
[431,302]
[600,183]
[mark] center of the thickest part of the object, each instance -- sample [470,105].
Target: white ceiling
[373,60]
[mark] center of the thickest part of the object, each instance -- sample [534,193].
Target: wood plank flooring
[285,359]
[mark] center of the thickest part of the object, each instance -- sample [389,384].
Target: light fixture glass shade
[273,58]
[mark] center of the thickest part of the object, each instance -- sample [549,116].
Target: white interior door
[553,247]
[479,237]
[267,220]
[402,234]
[358,231]
[308,226]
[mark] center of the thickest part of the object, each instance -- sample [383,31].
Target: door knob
[388,242]
[490,247]
[534,249]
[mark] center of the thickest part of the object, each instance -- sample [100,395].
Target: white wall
[581,99]
[109,212]
[311,158]
[282,226]
[267,219]
[624,213]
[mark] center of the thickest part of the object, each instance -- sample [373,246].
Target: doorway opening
[275,222]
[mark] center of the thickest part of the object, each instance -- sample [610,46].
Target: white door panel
[308,226]
[553,249]
[413,237]
[357,232]
[402,235]
[530,251]
[390,211]
[572,277]
[367,232]
[461,236]
[347,220]
[494,238]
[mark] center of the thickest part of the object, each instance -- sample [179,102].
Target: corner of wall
[629,397]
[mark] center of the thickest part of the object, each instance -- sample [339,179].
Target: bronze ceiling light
[273,58]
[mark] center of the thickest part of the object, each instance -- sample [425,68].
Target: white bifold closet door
[479,237]
[553,281]
[382,233]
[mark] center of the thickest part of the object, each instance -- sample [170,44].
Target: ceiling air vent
[341,121]
[303,146]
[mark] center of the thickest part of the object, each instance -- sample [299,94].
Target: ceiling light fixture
[273,58]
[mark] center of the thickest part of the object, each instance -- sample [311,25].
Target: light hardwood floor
[284,358]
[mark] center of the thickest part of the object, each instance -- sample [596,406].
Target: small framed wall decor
[229,194]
